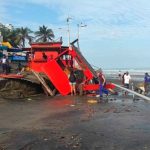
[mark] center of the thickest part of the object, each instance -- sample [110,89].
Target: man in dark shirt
[44,56]
[146,82]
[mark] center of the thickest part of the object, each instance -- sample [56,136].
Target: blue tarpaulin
[19,58]
[3,47]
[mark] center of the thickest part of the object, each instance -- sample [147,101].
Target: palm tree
[8,35]
[11,36]
[16,37]
[23,34]
[4,31]
[44,34]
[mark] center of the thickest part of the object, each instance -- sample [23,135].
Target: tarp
[7,44]
[18,58]
[3,47]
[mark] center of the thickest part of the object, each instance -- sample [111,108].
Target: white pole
[68,35]
[78,31]
[68,19]
[133,92]
[80,26]
[132,89]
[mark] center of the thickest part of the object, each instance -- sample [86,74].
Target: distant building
[1,25]
[1,38]
[9,26]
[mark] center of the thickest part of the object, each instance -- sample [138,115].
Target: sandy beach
[54,58]
[75,123]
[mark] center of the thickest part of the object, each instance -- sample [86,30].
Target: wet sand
[72,123]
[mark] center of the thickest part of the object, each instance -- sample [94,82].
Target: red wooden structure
[60,58]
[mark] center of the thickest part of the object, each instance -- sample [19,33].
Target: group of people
[76,78]
[102,82]
[101,79]
[126,80]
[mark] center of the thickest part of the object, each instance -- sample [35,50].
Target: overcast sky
[117,33]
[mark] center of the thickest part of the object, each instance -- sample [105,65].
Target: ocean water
[136,74]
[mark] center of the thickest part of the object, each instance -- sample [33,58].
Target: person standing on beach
[127,79]
[123,78]
[119,75]
[146,82]
[72,82]
[44,56]
[4,64]
[102,82]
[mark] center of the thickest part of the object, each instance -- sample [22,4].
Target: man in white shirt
[127,79]
[4,64]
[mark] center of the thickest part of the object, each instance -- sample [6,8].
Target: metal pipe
[133,92]
[68,19]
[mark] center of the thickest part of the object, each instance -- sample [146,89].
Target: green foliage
[23,34]
[19,36]
[44,34]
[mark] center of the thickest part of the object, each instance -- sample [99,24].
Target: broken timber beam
[42,81]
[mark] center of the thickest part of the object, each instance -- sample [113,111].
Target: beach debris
[1,148]
[29,99]
[128,110]
[62,137]
[45,139]
[97,95]
[112,109]
[116,111]
[18,89]
[92,101]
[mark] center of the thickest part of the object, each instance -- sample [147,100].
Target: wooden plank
[45,86]
[11,76]
[82,58]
